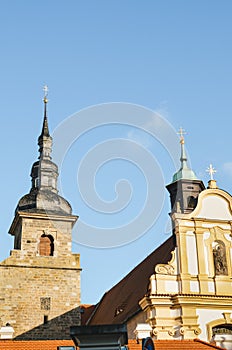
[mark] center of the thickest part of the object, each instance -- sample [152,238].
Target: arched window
[219,258]
[221,334]
[192,202]
[46,245]
[222,329]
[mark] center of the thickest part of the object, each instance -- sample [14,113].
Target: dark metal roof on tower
[45,130]
[43,194]
[45,140]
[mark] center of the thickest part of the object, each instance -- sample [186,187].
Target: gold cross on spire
[211,171]
[45,89]
[181,132]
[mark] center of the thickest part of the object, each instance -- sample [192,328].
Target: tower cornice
[53,217]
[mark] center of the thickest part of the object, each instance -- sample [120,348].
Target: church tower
[190,295]
[185,187]
[40,281]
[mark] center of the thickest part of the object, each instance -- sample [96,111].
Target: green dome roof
[184,172]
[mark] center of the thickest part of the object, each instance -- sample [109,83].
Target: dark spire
[45,130]
[45,140]
[44,172]
[43,195]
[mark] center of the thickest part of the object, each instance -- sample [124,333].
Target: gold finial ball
[182,140]
[181,133]
[45,100]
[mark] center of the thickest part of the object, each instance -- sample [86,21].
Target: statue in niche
[219,257]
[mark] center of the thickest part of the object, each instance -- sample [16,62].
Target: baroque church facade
[182,292]
[183,289]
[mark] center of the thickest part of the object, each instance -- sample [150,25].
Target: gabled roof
[122,301]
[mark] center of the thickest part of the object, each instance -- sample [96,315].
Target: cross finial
[211,171]
[181,132]
[45,89]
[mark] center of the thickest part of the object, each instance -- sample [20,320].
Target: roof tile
[195,344]
[33,344]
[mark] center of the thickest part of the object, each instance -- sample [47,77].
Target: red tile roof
[195,344]
[122,301]
[33,344]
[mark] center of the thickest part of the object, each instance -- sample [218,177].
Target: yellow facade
[192,294]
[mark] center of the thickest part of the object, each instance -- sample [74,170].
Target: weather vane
[181,132]
[45,89]
[211,171]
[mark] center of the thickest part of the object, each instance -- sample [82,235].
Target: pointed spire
[43,195]
[183,157]
[45,140]
[184,172]
[45,130]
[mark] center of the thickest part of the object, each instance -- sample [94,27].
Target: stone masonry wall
[28,231]
[39,296]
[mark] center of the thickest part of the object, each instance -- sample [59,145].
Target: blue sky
[173,57]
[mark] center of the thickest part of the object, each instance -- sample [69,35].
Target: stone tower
[40,280]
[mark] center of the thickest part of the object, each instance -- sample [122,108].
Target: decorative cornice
[47,216]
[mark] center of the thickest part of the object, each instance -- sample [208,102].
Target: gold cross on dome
[211,171]
[181,132]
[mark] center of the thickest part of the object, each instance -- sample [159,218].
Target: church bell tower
[41,278]
[185,187]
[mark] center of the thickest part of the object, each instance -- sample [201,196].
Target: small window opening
[192,202]
[46,245]
[37,182]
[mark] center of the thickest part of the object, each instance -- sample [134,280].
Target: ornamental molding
[169,268]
